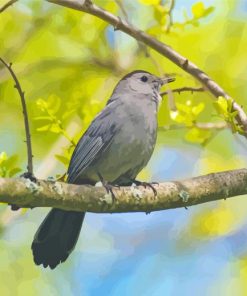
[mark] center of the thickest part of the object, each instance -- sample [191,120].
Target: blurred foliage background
[68,64]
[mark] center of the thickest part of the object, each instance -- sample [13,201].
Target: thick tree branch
[25,193]
[25,115]
[182,62]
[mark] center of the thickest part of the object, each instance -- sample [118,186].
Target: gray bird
[115,148]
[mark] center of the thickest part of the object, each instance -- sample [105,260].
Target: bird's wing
[96,139]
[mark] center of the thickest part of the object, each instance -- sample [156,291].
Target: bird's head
[142,82]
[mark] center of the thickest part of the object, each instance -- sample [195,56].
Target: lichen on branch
[174,194]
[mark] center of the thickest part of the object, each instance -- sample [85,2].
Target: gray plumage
[117,145]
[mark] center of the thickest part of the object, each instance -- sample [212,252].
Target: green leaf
[224,108]
[43,128]
[221,106]
[55,128]
[63,159]
[11,161]
[196,110]
[3,157]
[42,105]
[196,135]
[150,2]
[186,113]
[43,118]
[199,10]
[160,14]
[14,171]
[51,105]
[54,103]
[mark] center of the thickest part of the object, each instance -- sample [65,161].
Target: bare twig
[8,4]
[122,8]
[183,89]
[171,100]
[170,92]
[25,115]
[201,125]
[182,62]
[211,125]
[169,14]
[175,194]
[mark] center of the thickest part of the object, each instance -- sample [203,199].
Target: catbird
[114,149]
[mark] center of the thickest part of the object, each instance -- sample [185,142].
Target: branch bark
[7,5]
[175,194]
[164,49]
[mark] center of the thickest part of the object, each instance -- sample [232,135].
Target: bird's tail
[56,237]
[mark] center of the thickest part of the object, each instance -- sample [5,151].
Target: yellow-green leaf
[55,128]
[196,110]
[63,159]
[43,128]
[199,10]
[14,171]
[150,2]
[3,157]
[197,135]
[221,106]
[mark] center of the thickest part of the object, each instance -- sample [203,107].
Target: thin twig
[170,92]
[211,125]
[25,115]
[171,100]
[5,6]
[164,49]
[201,125]
[183,89]
[169,14]
[122,8]
[141,46]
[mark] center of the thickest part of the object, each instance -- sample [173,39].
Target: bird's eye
[144,78]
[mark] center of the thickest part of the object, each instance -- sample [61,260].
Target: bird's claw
[25,175]
[108,187]
[147,184]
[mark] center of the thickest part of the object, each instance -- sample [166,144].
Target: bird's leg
[108,187]
[147,184]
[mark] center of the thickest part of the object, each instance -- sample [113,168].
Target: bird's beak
[166,80]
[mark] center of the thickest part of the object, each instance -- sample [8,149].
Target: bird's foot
[29,176]
[109,187]
[25,175]
[147,184]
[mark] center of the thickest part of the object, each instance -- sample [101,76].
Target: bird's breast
[131,147]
